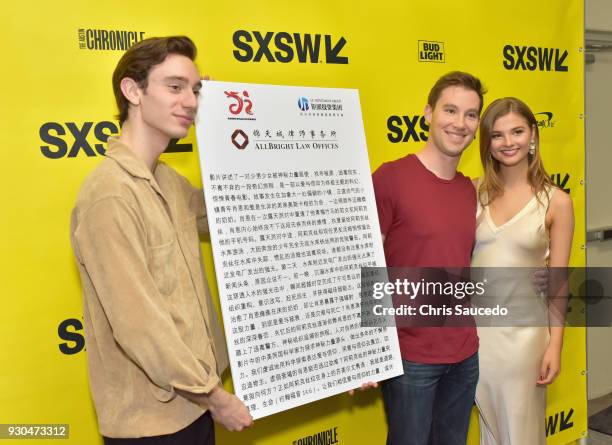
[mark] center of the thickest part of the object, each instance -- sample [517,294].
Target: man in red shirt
[427,213]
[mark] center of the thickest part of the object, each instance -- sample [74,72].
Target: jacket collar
[127,160]
[125,157]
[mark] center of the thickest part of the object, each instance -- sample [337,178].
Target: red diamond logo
[240,139]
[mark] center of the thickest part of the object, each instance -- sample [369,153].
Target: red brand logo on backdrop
[241,103]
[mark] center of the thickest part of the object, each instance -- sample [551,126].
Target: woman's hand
[551,365]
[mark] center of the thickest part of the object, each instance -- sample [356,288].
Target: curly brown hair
[137,62]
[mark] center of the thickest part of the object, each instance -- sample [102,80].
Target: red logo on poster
[240,139]
[241,102]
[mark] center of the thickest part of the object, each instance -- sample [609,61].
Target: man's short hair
[137,62]
[456,79]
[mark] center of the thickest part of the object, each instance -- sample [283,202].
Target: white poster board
[292,219]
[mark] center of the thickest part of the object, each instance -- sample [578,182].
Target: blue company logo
[303,104]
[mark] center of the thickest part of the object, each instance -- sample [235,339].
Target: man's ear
[131,91]
[427,113]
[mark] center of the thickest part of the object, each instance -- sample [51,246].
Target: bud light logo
[303,104]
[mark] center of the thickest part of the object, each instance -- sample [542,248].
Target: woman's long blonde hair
[491,186]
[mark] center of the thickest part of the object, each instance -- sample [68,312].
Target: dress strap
[479,208]
[545,196]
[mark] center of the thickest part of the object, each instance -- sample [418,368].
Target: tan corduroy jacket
[150,326]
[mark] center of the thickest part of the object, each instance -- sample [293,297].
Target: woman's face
[510,139]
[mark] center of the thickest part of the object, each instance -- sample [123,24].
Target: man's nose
[190,100]
[460,121]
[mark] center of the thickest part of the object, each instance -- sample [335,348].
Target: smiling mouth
[457,136]
[509,152]
[185,120]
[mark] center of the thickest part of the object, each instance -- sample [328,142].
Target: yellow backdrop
[57,112]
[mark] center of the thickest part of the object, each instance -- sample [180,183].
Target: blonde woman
[523,221]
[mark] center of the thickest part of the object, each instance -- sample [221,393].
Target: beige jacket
[150,326]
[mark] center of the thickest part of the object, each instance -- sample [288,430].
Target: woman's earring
[532,148]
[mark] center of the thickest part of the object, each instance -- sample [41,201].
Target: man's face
[454,120]
[169,103]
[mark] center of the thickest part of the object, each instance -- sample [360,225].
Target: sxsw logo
[72,139]
[108,39]
[544,119]
[431,51]
[561,180]
[406,128]
[559,422]
[532,58]
[71,331]
[284,47]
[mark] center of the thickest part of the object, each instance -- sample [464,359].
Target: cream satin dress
[512,407]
